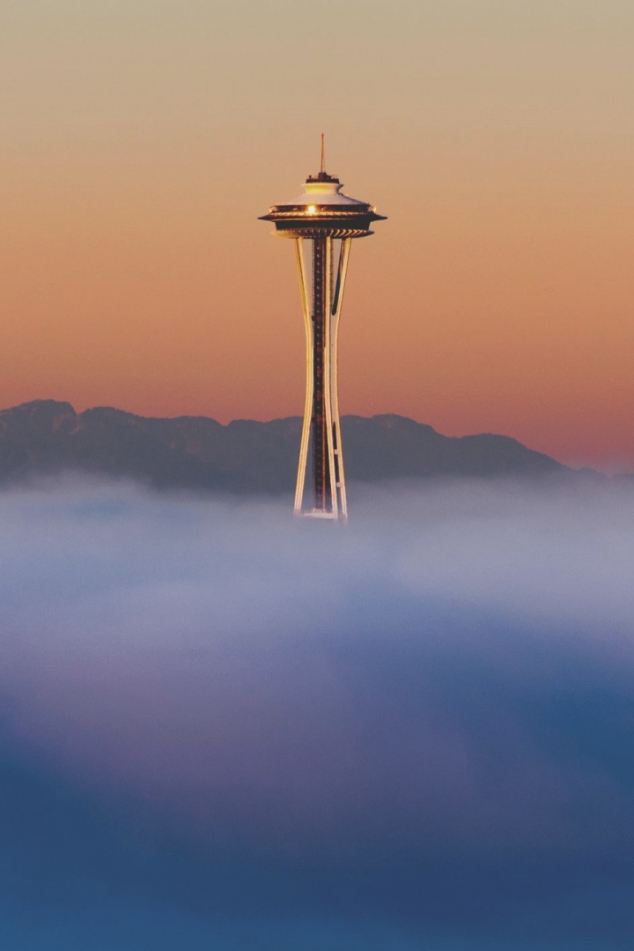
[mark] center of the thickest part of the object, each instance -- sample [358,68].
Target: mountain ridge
[44,437]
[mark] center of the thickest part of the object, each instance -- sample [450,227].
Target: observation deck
[322,210]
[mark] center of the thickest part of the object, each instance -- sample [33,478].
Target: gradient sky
[140,140]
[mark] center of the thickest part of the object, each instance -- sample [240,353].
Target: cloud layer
[413,733]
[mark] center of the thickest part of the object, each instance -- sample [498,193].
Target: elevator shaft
[320,423]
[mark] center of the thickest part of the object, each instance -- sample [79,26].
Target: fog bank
[423,722]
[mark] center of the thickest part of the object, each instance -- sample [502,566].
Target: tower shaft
[321,432]
[319,422]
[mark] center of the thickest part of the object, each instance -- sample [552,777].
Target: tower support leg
[308,403]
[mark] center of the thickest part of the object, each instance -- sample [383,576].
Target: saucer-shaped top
[323,210]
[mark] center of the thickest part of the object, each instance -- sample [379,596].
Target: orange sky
[139,142]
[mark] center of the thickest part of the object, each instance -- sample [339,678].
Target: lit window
[312,210]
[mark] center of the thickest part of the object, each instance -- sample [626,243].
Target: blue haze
[221,729]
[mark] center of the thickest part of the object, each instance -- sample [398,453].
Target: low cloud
[447,684]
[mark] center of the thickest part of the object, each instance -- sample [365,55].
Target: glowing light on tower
[323,223]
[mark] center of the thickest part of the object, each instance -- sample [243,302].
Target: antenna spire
[322,167]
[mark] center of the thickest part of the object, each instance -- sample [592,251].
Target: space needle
[323,222]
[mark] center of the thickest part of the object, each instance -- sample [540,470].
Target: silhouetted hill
[45,437]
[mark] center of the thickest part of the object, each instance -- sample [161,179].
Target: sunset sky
[141,139]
